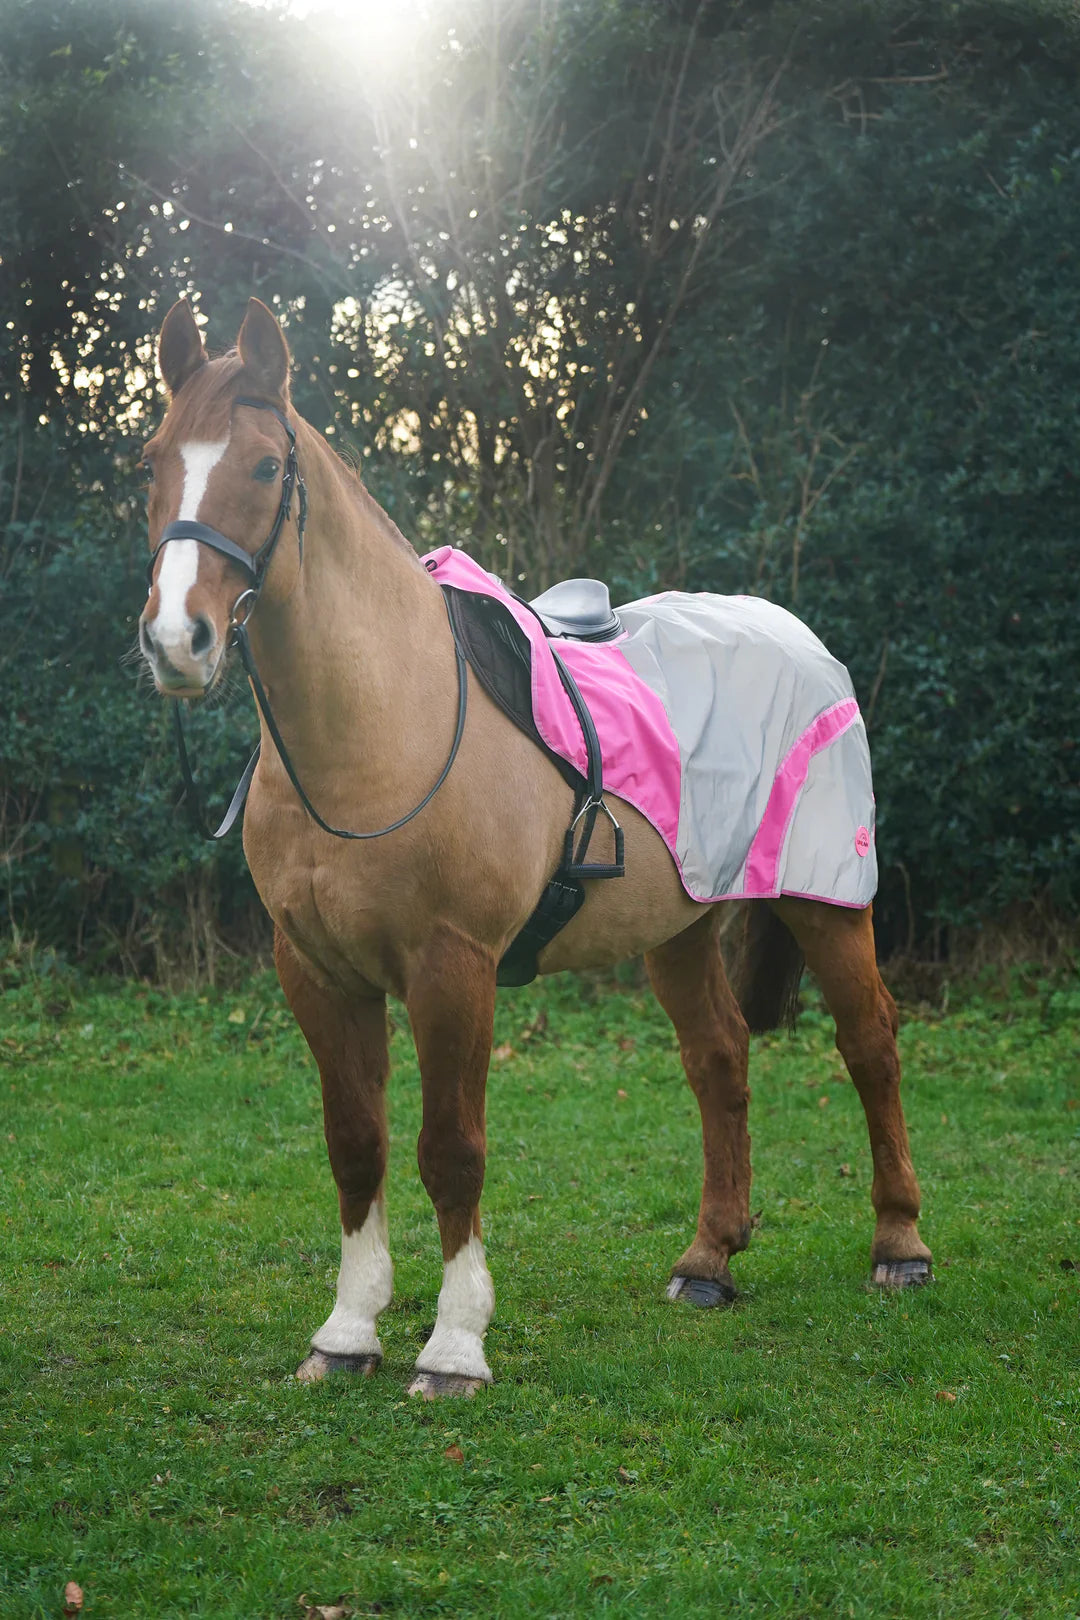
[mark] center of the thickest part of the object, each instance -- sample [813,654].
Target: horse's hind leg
[688,977]
[839,947]
[348,1039]
[451,1002]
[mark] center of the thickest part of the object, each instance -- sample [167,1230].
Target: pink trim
[763,861]
[641,761]
[827,900]
[640,751]
[789,894]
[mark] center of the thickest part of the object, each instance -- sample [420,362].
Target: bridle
[255,566]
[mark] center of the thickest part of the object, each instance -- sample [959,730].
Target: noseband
[255,566]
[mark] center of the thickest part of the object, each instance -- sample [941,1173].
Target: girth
[500,657]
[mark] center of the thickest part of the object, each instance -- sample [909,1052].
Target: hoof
[436,1386]
[319,1365]
[901,1273]
[701,1291]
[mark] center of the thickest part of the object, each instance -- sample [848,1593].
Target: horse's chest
[342,914]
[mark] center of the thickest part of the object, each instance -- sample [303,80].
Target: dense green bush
[891,449]
[841,371]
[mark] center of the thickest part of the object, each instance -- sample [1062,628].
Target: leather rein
[255,567]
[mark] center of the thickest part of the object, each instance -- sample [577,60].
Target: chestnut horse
[351,639]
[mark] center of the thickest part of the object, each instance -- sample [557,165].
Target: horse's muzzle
[185,662]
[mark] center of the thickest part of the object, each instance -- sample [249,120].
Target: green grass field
[169,1240]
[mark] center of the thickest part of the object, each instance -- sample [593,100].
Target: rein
[256,567]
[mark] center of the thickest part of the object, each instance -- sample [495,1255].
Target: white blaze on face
[365,1285]
[180,559]
[466,1302]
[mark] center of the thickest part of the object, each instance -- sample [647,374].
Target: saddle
[724,721]
[499,653]
[579,609]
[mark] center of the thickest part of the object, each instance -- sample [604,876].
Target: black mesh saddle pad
[500,658]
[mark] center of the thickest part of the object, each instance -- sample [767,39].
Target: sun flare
[376,38]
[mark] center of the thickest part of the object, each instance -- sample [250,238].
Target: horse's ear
[180,347]
[264,351]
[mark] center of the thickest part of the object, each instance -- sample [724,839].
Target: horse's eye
[267,470]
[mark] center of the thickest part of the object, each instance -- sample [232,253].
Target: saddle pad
[728,724]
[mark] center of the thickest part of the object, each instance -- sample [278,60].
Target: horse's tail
[765,969]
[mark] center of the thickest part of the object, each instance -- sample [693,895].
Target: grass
[169,1243]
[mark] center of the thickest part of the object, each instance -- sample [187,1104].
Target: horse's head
[220,489]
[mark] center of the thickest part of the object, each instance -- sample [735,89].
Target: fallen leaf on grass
[946,1395]
[626,1476]
[73,1598]
[823,1102]
[626,1043]
[454,1454]
[324,1611]
[501,1053]
[621,1093]
[843,1170]
[237,1016]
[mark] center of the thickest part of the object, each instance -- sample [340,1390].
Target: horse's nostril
[202,637]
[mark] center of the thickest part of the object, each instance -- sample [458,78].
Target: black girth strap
[565,893]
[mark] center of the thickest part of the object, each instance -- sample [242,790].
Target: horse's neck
[355,656]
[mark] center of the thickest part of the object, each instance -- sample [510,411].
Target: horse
[348,635]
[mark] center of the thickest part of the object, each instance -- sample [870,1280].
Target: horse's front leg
[451,1006]
[348,1038]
